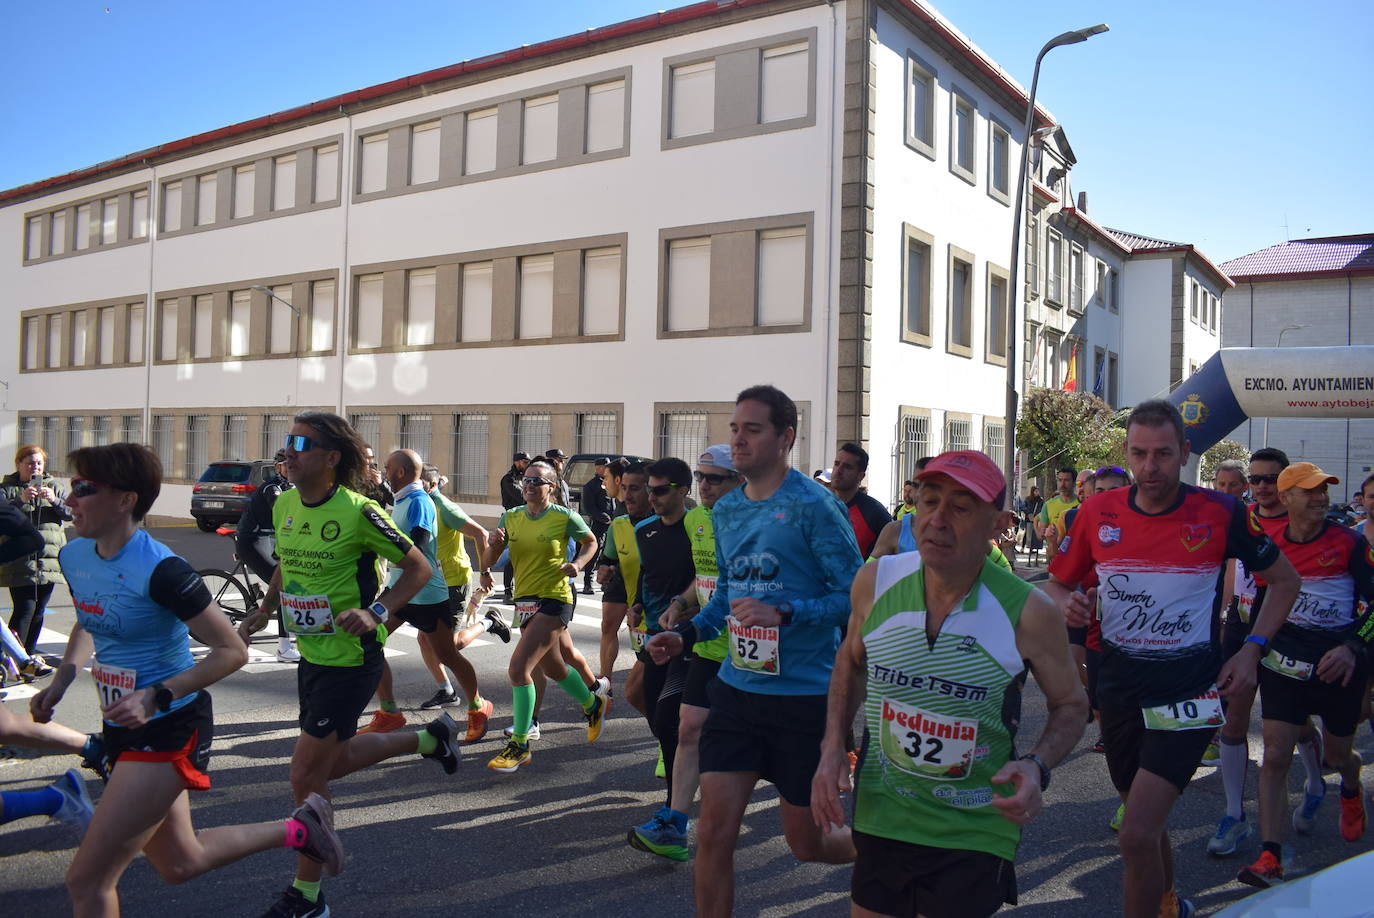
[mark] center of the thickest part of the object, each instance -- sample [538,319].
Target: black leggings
[27,618]
[663,687]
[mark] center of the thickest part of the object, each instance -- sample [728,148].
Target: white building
[593,243]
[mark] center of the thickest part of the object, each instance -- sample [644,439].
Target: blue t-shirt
[415,516]
[135,605]
[796,546]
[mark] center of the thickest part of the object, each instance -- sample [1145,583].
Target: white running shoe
[76,809]
[533,734]
[288,654]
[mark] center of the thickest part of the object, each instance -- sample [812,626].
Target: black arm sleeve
[420,536]
[1246,540]
[21,538]
[178,588]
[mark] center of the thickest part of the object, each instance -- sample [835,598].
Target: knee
[688,733]
[518,672]
[83,882]
[806,847]
[174,874]
[1137,842]
[1276,760]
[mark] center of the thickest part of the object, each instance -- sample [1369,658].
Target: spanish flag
[1071,378]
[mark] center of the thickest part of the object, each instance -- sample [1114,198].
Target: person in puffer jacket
[42,500]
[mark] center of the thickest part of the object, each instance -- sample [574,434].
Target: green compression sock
[388,706]
[428,742]
[577,689]
[522,702]
[310,890]
[476,703]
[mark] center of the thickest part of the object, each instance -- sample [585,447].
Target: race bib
[112,682]
[1198,713]
[706,588]
[1287,666]
[754,649]
[1245,602]
[525,609]
[927,745]
[310,615]
[638,635]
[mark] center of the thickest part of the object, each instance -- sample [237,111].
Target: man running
[1229,478]
[908,505]
[787,557]
[866,514]
[1158,548]
[937,647]
[1053,510]
[1318,663]
[328,540]
[618,570]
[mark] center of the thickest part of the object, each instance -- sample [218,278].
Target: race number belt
[525,609]
[706,588]
[1204,711]
[112,682]
[925,744]
[754,649]
[1287,666]
[309,615]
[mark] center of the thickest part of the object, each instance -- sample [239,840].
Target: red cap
[970,468]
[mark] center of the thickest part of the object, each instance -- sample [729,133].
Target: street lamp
[1279,343]
[1017,220]
[260,288]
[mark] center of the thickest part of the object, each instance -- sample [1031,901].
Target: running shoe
[288,654]
[511,758]
[439,699]
[477,722]
[1186,908]
[94,758]
[1115,824]
[34,669]
[659,770]
[322,843]
[603,686]
[659,836]
[1212,754]
[1352,817]
[384,722]
[498,626]
[1304,814]
[1264,873]
[76,809]
[1230,833]
[294,904]
[596,716]
[444,729]
[533,734]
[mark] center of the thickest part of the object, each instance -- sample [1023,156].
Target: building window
[33,342]
[1193,314]
[76,321]
[369,430]
[596,434]
[284,182]
[782,276]
[101,428]
[689,284]
[83,227]
[1099,380]
[131,428]
[1113,291]
[1053,359]
[105,334]
[479,142]
[920,106]
[916,287]
[28,429]
[326,173]
[958,434]
[995,441]
[275,428]
[1100,285]
[76,432]
[235,442]
[963,137]
[605,116]
[997,323]
[913,442]
[57,239]
[240,318]
[203,326]
[136,333]
[417,431]
[1076,279]
[999,162]
[197,446]
[321,315]
[539,130]
[207,188]
[33,238]
[785,83]
[959,339]
[1112,379]
[420,307]
[163,440]
[53,431]
[372,164]
[476,323]
[245,190]
[367,320]
[424,153]
[600,292]
[54,341]
[693,102]
[470,454]
[535,311]
[109,221]
[800,457]
[530,433]
[138,221]
[1054,252]
[682,434]
[282,325]
[1033,254]
[171,207]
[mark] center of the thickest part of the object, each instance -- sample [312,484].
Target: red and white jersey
[1249,589]
[1157,587]
[1337,568]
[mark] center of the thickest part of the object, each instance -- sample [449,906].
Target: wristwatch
[1044,769]
[162,697]
[379,610]
[784,613]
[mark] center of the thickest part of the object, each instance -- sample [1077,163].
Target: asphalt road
[550,840]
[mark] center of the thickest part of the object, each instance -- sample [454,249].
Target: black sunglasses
[714,480]
[662,490]
[85,487]
[1263,479]
[299,443]
[535,482]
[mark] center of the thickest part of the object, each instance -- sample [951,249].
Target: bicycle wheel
[229,594]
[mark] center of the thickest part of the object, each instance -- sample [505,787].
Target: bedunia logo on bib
[1108,535]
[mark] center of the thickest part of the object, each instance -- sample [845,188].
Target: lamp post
[260,288]
[1279,343]
[1017,221]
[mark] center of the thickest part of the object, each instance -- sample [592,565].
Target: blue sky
[1206,122]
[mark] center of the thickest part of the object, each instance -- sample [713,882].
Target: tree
[1226,449]
[1068,428]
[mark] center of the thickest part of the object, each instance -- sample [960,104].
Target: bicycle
[236,593]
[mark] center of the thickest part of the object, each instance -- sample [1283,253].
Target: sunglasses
[1263,479]
[535,482]
[299,443]
[714,480]
[1111,470]
[663,490]
[85,487]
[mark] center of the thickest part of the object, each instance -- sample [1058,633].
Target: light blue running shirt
[414,513]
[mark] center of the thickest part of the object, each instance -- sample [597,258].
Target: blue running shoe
[659,836]
[1230,833]
[1303,815]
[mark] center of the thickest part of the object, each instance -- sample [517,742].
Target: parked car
[224,490]
[580,469]
[1339,891]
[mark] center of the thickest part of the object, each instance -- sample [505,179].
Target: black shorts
[614,590]
[563,611]
[1078,636]
[182,737]
[458,600]
[899,878]
[334,697]
[1233,634]
[1171,754]
[1292,701]
[427,616]
[700,674]
[778,736]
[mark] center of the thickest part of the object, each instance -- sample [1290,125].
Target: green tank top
[940,720]
[703,539]
[622,548]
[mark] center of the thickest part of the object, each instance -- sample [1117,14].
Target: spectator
[598,507]
[31,579]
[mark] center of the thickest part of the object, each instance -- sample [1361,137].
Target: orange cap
[1304,475]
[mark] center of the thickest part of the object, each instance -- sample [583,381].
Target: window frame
[44,215]
[67,360]
[995,129]
[996,272]
[912,234]
[917,64]
[963,256]
[959,99]
[1055,276]
[1078,266]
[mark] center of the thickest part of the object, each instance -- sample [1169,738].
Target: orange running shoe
[1265,872]
[1352,816]
[383,722]
[477,722]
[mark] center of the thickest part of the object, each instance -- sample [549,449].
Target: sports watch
[162,697]
[379,610]
[784,613]
[1044,769]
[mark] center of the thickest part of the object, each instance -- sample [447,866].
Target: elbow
[237,655]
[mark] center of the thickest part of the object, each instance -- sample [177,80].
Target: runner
[618,573]
[599,508]
[137,605]
[1229,478]
[329,538]
[538,535]
[787,557]
[1318,664]
[908,505]
[866,515]
[938,645]
[1158,548]
[254,540]
[513,496]
[1053,510]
